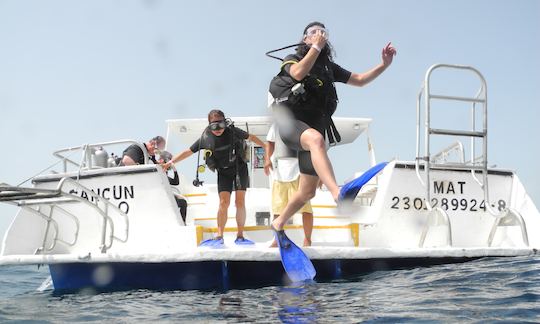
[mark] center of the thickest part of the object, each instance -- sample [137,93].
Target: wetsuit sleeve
[288,61]
[241,133]
[195,146]
[174,181]
[135,153]
[340,74]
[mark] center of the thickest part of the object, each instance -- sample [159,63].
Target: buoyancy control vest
[236,147]
[315,94]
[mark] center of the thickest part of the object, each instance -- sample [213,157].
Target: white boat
[113,228]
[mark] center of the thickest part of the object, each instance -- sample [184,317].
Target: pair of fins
[297,265]
[217,242]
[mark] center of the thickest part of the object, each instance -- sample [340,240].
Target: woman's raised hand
[388,54]
[319,39]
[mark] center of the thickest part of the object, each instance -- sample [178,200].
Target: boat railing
[477,164]
[28,198]
[443,155]
[104,212]
[87,160]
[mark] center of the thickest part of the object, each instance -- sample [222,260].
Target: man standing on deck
[225,143]
[282,164]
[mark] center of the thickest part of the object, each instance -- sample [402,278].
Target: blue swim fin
[351,188]
[243,241]
[207,242]
[216,242]
[295,262]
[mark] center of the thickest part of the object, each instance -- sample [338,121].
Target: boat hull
[215,275]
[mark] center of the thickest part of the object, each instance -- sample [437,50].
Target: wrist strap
[316,47]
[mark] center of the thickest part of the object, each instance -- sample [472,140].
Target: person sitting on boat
[308,108]
[134,155]
[282,164]
[164,157]
[225,142]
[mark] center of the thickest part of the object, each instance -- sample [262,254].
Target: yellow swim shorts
[282,192]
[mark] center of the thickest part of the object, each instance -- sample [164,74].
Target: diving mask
[217,125]
[312,31]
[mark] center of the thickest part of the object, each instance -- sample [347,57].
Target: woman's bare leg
[313,142]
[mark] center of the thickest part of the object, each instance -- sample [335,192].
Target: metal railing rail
[443,154]
[49,222]
[103,212]
[50,218]
[86,159]
[27,197]
[480,98]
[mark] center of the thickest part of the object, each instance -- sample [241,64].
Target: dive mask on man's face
[311,31]
[217,125]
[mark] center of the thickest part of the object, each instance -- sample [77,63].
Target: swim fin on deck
[243,241]
[295,262]
[351,188]
[215,243]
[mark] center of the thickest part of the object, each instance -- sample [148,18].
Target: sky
[75,72]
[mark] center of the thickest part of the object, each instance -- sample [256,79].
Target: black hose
[280,49]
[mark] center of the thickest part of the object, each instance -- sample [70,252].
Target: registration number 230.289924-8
[463,204]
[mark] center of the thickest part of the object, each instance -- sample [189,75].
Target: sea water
[484,290]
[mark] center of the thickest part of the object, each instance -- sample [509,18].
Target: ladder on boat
[46,203]
[437,216]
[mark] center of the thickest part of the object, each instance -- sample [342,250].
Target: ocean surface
[484,290]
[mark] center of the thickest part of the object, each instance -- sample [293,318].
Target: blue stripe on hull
[123,276]
[212,275]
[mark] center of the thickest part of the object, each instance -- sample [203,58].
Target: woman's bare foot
[274,244]
[307,242]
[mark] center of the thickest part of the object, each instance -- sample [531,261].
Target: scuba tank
[99,157]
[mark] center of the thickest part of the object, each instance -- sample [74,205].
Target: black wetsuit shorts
[227,178]
[291,138]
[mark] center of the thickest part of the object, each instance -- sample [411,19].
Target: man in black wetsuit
[134,155]
[226,146]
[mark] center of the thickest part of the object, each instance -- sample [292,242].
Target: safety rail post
[418,158]
[47,227]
